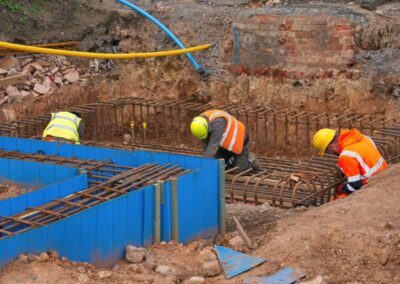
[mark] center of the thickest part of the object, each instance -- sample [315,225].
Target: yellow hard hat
[322,138]
[199,127]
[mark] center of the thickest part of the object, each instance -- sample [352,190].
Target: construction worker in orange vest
[64,127]
[224,137]
[358,159]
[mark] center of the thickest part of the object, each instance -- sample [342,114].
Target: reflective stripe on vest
[368,171]
[63,125]
[233,136]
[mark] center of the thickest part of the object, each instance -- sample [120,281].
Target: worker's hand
[339,189]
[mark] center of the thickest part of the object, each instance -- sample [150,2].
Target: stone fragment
[207,255]
[23,258]
[104,274]
[13,80]
[54,70]
[165,270]
[317,280]
[8,62]
[72,77]
[134,268]
[44,256]
[384,258]
[53,254]
[195,280]
[151,262]
[134,254]
[237,242]
[12,91]
[3,72]
[83,278]
[211,268]
[58,80]
[41,89]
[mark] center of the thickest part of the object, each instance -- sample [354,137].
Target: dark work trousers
[242,160]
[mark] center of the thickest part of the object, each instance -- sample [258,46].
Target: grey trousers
[242,160]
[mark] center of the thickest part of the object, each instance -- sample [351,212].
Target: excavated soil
[352,240]
[10,189]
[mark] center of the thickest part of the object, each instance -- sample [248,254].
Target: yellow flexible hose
[34,49]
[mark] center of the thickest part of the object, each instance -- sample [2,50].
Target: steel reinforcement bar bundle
[159,122]
[105,179]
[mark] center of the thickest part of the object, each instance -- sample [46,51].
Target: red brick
[302,34]
[343,28]
[310,28]
[267,19]
[319,20]
[338,34]
[237,68]
[253,26]
[269,27]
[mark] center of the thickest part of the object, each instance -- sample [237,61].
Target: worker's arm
[217,128]
[351,169]
[81,129]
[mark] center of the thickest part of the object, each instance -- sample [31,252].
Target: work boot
[254,162]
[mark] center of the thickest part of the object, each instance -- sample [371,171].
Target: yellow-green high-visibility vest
[64,125]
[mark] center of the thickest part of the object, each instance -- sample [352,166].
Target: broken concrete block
[151,262]
[211,268]
[41,89]
[237,243]
[12,91]
[104,274]
[72,77]
[207,255]
[8,62]
[25,94]
[3,72]
[25,61]
[54,70]
[43,256]
[13,80]
[58,80]
[134,254]
[195,280]
[165,270]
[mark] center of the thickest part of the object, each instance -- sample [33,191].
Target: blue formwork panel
[97,235]
[43,195]
[100,234]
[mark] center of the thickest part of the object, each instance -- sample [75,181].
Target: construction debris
[134,254]
[38,75]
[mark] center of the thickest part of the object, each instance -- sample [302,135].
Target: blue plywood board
[286,275]
[99,234]
[234,263]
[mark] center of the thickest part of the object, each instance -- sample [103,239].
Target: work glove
[339,189]
[230,162]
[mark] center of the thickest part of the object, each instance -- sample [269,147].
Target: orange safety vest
[234,133]
[359,158]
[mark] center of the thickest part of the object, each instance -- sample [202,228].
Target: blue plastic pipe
[196,65]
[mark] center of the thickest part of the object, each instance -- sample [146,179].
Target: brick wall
[269,44]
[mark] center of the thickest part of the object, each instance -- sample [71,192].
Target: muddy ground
[10,189]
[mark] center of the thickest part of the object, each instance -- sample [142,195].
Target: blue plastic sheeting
[97,235]
[234,262]
[41,196]
[33,174]
[286,275]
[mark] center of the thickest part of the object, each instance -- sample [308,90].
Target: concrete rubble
[134,254]
[35,75]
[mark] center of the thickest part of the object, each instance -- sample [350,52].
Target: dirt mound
[10,189]
[353,239]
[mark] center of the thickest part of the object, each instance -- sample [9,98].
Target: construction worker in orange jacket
[224,137]
[358,159]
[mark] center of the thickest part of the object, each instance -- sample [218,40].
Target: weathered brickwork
[271,44]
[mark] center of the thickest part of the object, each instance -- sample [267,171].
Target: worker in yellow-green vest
[64,127]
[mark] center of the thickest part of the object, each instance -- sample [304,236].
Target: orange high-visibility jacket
[359,158]
[234,133]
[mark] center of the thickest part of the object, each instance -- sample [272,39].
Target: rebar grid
[149,121]
[106,181]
